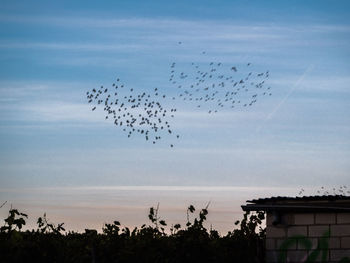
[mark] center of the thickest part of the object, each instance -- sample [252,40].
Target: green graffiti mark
[302,241]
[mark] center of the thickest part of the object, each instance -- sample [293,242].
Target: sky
[53,52]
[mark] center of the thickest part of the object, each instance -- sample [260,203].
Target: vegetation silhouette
[156,242]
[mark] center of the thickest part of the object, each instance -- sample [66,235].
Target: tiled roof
[324,203]
[299,199]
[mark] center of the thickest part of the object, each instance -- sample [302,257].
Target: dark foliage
[152,243]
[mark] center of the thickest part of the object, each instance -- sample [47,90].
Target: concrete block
[343,218]
[340,230]
[334,242]
[338,254]
[297,230]
[287,219]
[296,255]
[345,242]
[314,243]
[271,256]
[270,243]
[320,256]
[304,219]
[318,231]
[272,232]
[325,218]
[279,243]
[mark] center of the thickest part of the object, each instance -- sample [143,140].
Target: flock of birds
[140,113]
[214,86]
[210,87]
[341,190]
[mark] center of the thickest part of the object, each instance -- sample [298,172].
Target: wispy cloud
[314,82]
[159,23]
[70,46]
[143,31]
[60,112]
[56,111]
[151,188]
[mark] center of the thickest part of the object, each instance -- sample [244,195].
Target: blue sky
[52,52]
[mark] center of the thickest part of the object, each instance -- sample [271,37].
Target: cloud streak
[296,84]
[144,31]
[165,23]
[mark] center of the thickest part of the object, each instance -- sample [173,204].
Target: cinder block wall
[312,226]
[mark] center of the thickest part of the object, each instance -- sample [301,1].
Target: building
[305,229]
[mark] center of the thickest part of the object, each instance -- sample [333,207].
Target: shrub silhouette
[156,242]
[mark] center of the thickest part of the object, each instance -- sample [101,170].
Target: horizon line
[152,188]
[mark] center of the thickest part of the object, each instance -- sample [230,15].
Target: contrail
[296,84]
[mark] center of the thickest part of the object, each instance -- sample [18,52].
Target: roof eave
[295,208]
